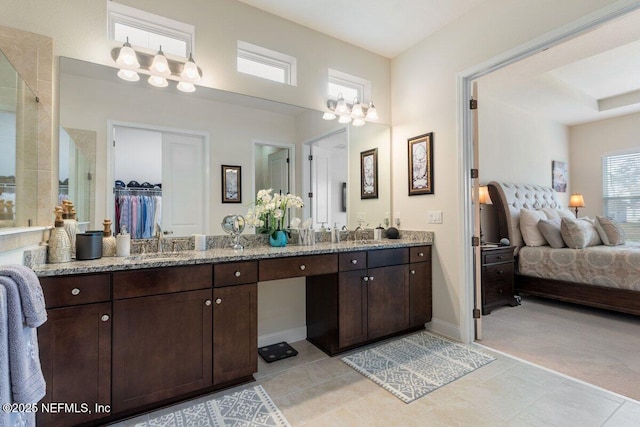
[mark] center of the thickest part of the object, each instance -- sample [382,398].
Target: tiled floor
[312,389]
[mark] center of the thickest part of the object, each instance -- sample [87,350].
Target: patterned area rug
[251,407]
[417,364]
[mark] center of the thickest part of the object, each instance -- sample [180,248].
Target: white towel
[27,381]
[31,296]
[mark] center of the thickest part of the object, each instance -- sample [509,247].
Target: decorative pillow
[529,227]
[609,231]
[553,213]
[550,229]
[579,233]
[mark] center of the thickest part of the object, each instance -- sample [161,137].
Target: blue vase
[280,238]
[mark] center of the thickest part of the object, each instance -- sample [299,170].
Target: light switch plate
[434,217]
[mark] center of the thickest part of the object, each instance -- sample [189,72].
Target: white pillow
[610,231]
[579,233]
[553,213]
[529,227]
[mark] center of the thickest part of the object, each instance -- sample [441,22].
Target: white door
[321,187]
[476,214]
[279,171]
[183,183]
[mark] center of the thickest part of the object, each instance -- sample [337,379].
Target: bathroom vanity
[127,335]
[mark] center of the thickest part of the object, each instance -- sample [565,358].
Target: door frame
[112,124]
[465,133]
[292,164]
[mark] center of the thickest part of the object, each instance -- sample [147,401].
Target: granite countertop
[215,255]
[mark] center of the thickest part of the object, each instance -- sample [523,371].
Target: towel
[27,381]
[33,307]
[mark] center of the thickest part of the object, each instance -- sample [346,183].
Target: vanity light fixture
[158,67]
[356,113]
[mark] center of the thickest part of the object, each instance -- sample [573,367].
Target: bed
[599,276]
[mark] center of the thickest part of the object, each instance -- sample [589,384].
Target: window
[267,64]
[349,86]
[621,191]
[149,31]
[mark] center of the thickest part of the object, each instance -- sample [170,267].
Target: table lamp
[576,201]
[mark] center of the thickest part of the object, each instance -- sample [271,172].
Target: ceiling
[591,77]
[385,27]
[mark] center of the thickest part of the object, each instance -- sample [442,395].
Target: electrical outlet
[434,217]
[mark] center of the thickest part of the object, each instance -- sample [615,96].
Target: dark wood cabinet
[361,305]
[75,347]
[235,333]
[497,277]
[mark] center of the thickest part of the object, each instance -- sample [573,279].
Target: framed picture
[231,184]
[421,164]
[369,174]
[559,174]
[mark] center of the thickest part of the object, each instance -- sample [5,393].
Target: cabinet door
[235,332]
[161,347]
[352,308]
[419,294]
[387,300]
[75,354]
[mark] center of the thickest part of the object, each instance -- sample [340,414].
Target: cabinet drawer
[495,256]
[74,290]
[309,265]
[498,272]
[155,281]
[420,253]
[497,292]
[352,261]
[235,273]
[384,257]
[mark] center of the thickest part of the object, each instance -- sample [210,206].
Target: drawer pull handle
[420,253]
[302,267]
[500,290]
[365,278]
[500,271]
[218,301]
[207,302]
[237,274]
[354,261]
[371,278]
[75,291]
[413,272]
[500,257]
[104,317]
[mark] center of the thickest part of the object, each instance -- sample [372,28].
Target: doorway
[164,173]
[273,167]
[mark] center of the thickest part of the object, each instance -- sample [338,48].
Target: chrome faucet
[159,237]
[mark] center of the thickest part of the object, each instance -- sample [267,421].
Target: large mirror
[18,148]
[161,142]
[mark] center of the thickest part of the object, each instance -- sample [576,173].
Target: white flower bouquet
[269,213]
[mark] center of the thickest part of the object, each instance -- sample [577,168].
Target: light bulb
[358,122]
[128,75]
[341,106]
[190,71]
[356,111]
[186,87]
[158,81]
[160,66]
[372,114]
[344,119]
[328,115]
[127,57]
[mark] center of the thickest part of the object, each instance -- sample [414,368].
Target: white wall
[138,155]
[425,99]
[588,143]
[79,30]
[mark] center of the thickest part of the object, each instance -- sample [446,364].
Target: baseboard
[289,335]
[447,329]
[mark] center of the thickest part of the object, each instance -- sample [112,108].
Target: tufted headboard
[509,198]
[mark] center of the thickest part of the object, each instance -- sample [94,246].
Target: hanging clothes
[138,210]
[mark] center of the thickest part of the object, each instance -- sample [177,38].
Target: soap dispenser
[59,249]
[70,224]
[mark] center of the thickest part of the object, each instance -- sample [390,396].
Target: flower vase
[280,238]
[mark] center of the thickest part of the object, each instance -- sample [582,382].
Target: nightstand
[497,277]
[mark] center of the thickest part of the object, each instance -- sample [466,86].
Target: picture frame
[420,169]
[559,174]
[231,184]
[369,174]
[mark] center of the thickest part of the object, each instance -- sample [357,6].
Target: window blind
[621,191]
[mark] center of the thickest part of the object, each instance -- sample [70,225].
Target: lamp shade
[483,195]
[128,75]
[372,113]
[186,87]
[127,57]
[160,65]
[190,71]
[576,201]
